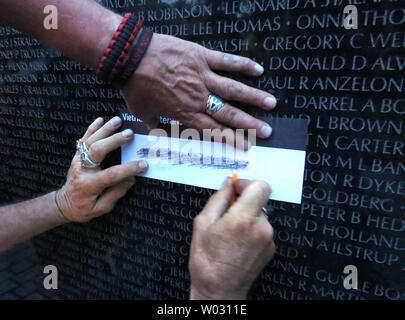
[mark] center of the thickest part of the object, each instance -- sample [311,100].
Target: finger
[111,176]
[99,149]
[236,118]
[213,129]
[228,62]
[105,131]
[252,200]
[203,121]
[93,127]
[108,200]
[218,204]
[233,90]
[242,184]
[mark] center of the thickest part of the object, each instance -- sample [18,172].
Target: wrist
[111,23]
[147,66]
[61,207]
[125,51]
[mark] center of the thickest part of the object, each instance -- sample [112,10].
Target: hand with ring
[90,192]
[176,79]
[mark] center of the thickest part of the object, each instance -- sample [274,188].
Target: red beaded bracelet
[118,47]
[113,41]
[124,52]
[134,57]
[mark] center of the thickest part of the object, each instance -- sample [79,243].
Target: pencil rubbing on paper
[192,159]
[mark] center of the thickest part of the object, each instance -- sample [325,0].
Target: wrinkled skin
[175,78]
[231,245]
[92,192]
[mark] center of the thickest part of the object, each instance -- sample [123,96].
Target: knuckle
[95,150]
[265,234]
[246,62]
[262,186]
[109,175]
[130,181]
[228,58]
[82,207]
[80,184]
[230,116]
[116,140]
[75,179]
[233,89]
[242,226]
[207,52]
[74,171]
[248,92]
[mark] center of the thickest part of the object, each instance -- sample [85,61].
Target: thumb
[218,204]
[252,199]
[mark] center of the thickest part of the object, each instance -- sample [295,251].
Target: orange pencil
[234,178]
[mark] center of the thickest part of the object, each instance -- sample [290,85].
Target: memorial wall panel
[349,84]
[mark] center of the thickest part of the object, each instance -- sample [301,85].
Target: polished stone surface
[348,83]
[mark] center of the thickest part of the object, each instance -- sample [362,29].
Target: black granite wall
[348,83]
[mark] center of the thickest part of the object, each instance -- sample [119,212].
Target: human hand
[92,192]
[175,78]
[230,245]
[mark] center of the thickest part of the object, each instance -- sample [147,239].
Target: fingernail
[115,121]
[266,131]
[97,121]
[142,164]
[127,133]
[259,69]
[270,102]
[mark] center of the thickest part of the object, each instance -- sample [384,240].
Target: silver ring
[214,104]
[84,155]
[79,145]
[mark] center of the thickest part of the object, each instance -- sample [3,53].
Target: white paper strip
[207,164]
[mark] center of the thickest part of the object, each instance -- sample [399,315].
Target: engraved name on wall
[348,83]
